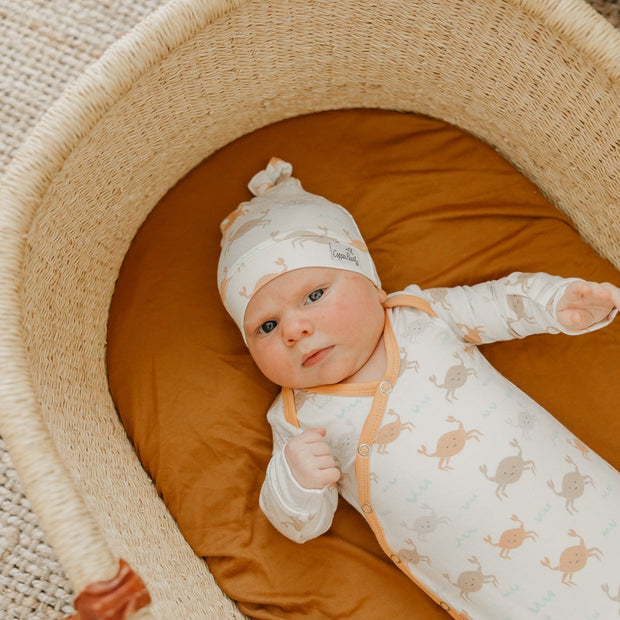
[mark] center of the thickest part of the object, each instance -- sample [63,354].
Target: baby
[466,482]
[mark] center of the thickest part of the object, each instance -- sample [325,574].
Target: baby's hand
[310,459]
[586,303]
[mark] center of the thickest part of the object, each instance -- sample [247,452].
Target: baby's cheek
[279,368]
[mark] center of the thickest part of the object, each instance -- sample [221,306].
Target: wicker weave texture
[540,81]
[46,45]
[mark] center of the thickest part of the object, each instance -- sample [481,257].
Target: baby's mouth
[316,357]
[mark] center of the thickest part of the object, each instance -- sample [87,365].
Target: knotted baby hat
[284,228]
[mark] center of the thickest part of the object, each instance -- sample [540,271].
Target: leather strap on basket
[115,599]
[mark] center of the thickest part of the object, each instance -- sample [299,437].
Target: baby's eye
[315,295]
[267,326]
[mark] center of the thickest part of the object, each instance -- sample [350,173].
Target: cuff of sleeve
[291,492]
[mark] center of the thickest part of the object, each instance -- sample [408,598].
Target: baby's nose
[295,328]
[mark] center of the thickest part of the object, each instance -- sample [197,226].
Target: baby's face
[314,326]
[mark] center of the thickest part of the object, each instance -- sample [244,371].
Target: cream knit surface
[44,46]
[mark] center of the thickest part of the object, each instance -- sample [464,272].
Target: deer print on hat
[390,432]
[356,243]
[235,215]
[471,580]
[573,485]
[456,376]
[299,237]
[246,227]
[509,470]
[573,559]
[265,279]
[512,538]
[451,443]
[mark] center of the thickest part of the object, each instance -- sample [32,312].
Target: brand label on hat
[343,253]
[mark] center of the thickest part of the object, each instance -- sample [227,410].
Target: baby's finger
[328,476]
[324,462]
[578,290]
[575,319]
[313,435]
[320,448]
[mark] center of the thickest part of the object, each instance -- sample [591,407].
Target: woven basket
[538,80]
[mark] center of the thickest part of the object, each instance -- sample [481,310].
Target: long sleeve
[516,306]
[298,513]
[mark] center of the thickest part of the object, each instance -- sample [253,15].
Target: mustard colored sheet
[438,208]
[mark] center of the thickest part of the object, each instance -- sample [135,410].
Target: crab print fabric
[475,491]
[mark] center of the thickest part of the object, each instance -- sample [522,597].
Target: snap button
[395,558]
[366,508]
[386,387]
[444,605]
[363,449]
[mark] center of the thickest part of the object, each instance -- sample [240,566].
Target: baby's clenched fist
[309,457]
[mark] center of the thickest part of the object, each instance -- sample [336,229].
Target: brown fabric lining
[437,208]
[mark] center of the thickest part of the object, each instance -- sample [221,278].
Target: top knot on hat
[276,172]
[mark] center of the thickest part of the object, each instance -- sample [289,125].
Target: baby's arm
[519,305]
[298,495]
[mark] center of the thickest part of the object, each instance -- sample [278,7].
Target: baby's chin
[327,372]
[325,379]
